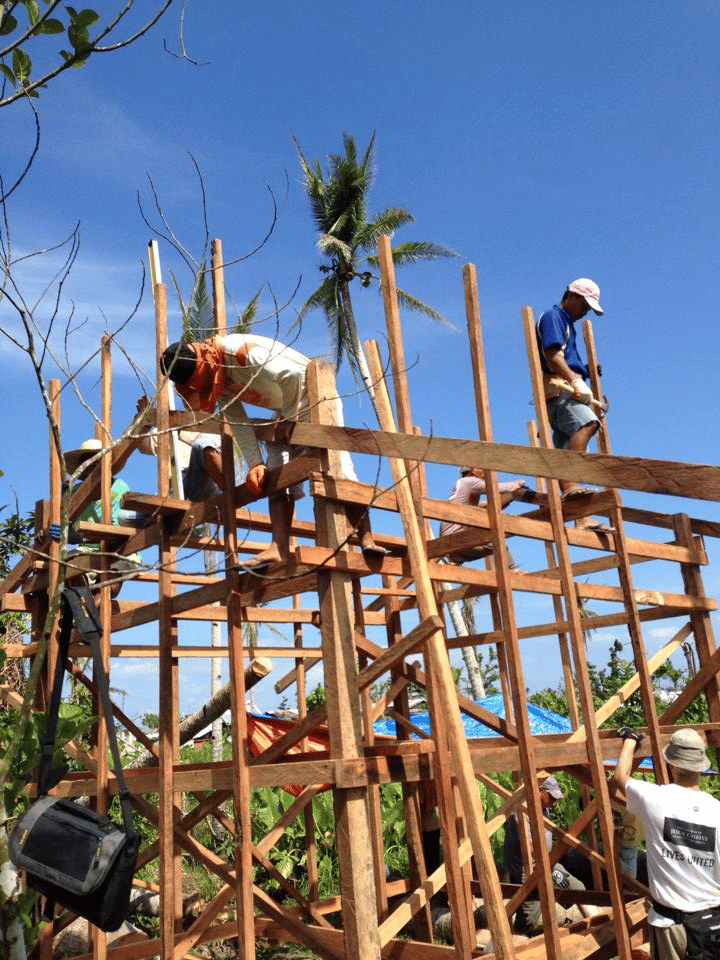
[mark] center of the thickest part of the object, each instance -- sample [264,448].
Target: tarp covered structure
[541,720]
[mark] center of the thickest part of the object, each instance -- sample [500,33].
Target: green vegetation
[347,239]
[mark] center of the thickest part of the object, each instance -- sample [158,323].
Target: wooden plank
[443,687]
[577,638]
[169,707]
[359,916]
[534,525]
[697,481]
[701,623]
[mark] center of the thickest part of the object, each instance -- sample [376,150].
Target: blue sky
[541,141]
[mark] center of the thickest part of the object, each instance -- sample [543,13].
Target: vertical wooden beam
[443,693]
[602,436]
[551,559]
[634,628]
[235,616]
[168,667]
[100,737]
[595,757]
[359,915]
[413,805]
[368,733]
[700,619]
[45,514]
[397,353]
[516,674]
[450,816]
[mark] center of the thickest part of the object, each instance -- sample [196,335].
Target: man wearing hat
[565,375]
[528,919]
[80,459]
[469,491]
[682,838]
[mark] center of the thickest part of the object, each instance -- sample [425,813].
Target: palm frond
[197,313]
[385,223]
[419,306]
[331,246]
[328,299]
[246,318]
[417,250]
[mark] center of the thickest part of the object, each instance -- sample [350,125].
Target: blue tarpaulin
[541,721]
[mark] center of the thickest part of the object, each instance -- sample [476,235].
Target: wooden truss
[407,593]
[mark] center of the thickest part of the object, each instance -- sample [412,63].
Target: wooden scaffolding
[406,593]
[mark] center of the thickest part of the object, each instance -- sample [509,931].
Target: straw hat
[88,449]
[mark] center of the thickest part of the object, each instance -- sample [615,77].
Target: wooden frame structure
[414,585]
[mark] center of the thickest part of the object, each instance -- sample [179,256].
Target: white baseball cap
[590,291]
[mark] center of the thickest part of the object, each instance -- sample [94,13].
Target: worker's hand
[55,532]
[524,492]
[581,390]
[283,431]
[256,478]
[628,733]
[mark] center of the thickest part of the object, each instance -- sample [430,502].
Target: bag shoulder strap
[79,607]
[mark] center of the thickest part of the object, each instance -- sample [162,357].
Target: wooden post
[168,668]
[238,713]
[512,646]
[444,695]
[360,926]
[577,638]
[100,738]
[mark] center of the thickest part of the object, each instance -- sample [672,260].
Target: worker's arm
[558,365]
[631,741]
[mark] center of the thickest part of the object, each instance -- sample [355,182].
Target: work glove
[627,733]
[55,531]
[581,391]
[256,478]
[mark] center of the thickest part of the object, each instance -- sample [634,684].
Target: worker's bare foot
[597,526]
[371,549]
[262,560]
[575,491]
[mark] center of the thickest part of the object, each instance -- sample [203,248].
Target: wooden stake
[360,924]
[444,687]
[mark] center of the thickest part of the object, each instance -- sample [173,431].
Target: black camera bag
[71,854]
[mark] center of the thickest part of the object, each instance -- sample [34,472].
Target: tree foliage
[606,681]
[25,26]
[347,239]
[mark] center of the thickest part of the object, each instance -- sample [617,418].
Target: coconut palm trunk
[357,346]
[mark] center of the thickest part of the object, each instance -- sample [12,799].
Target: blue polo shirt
[555,328]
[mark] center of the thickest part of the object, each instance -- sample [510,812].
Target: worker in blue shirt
[565,375]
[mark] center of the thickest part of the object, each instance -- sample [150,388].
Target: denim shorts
[567,415]
[278,455]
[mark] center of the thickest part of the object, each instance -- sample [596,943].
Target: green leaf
[78,30]
[7,72]
[51,26]
[22,65]
[84,19]
[7,24]
[33,11]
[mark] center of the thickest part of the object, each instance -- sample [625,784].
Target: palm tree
[348,239]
